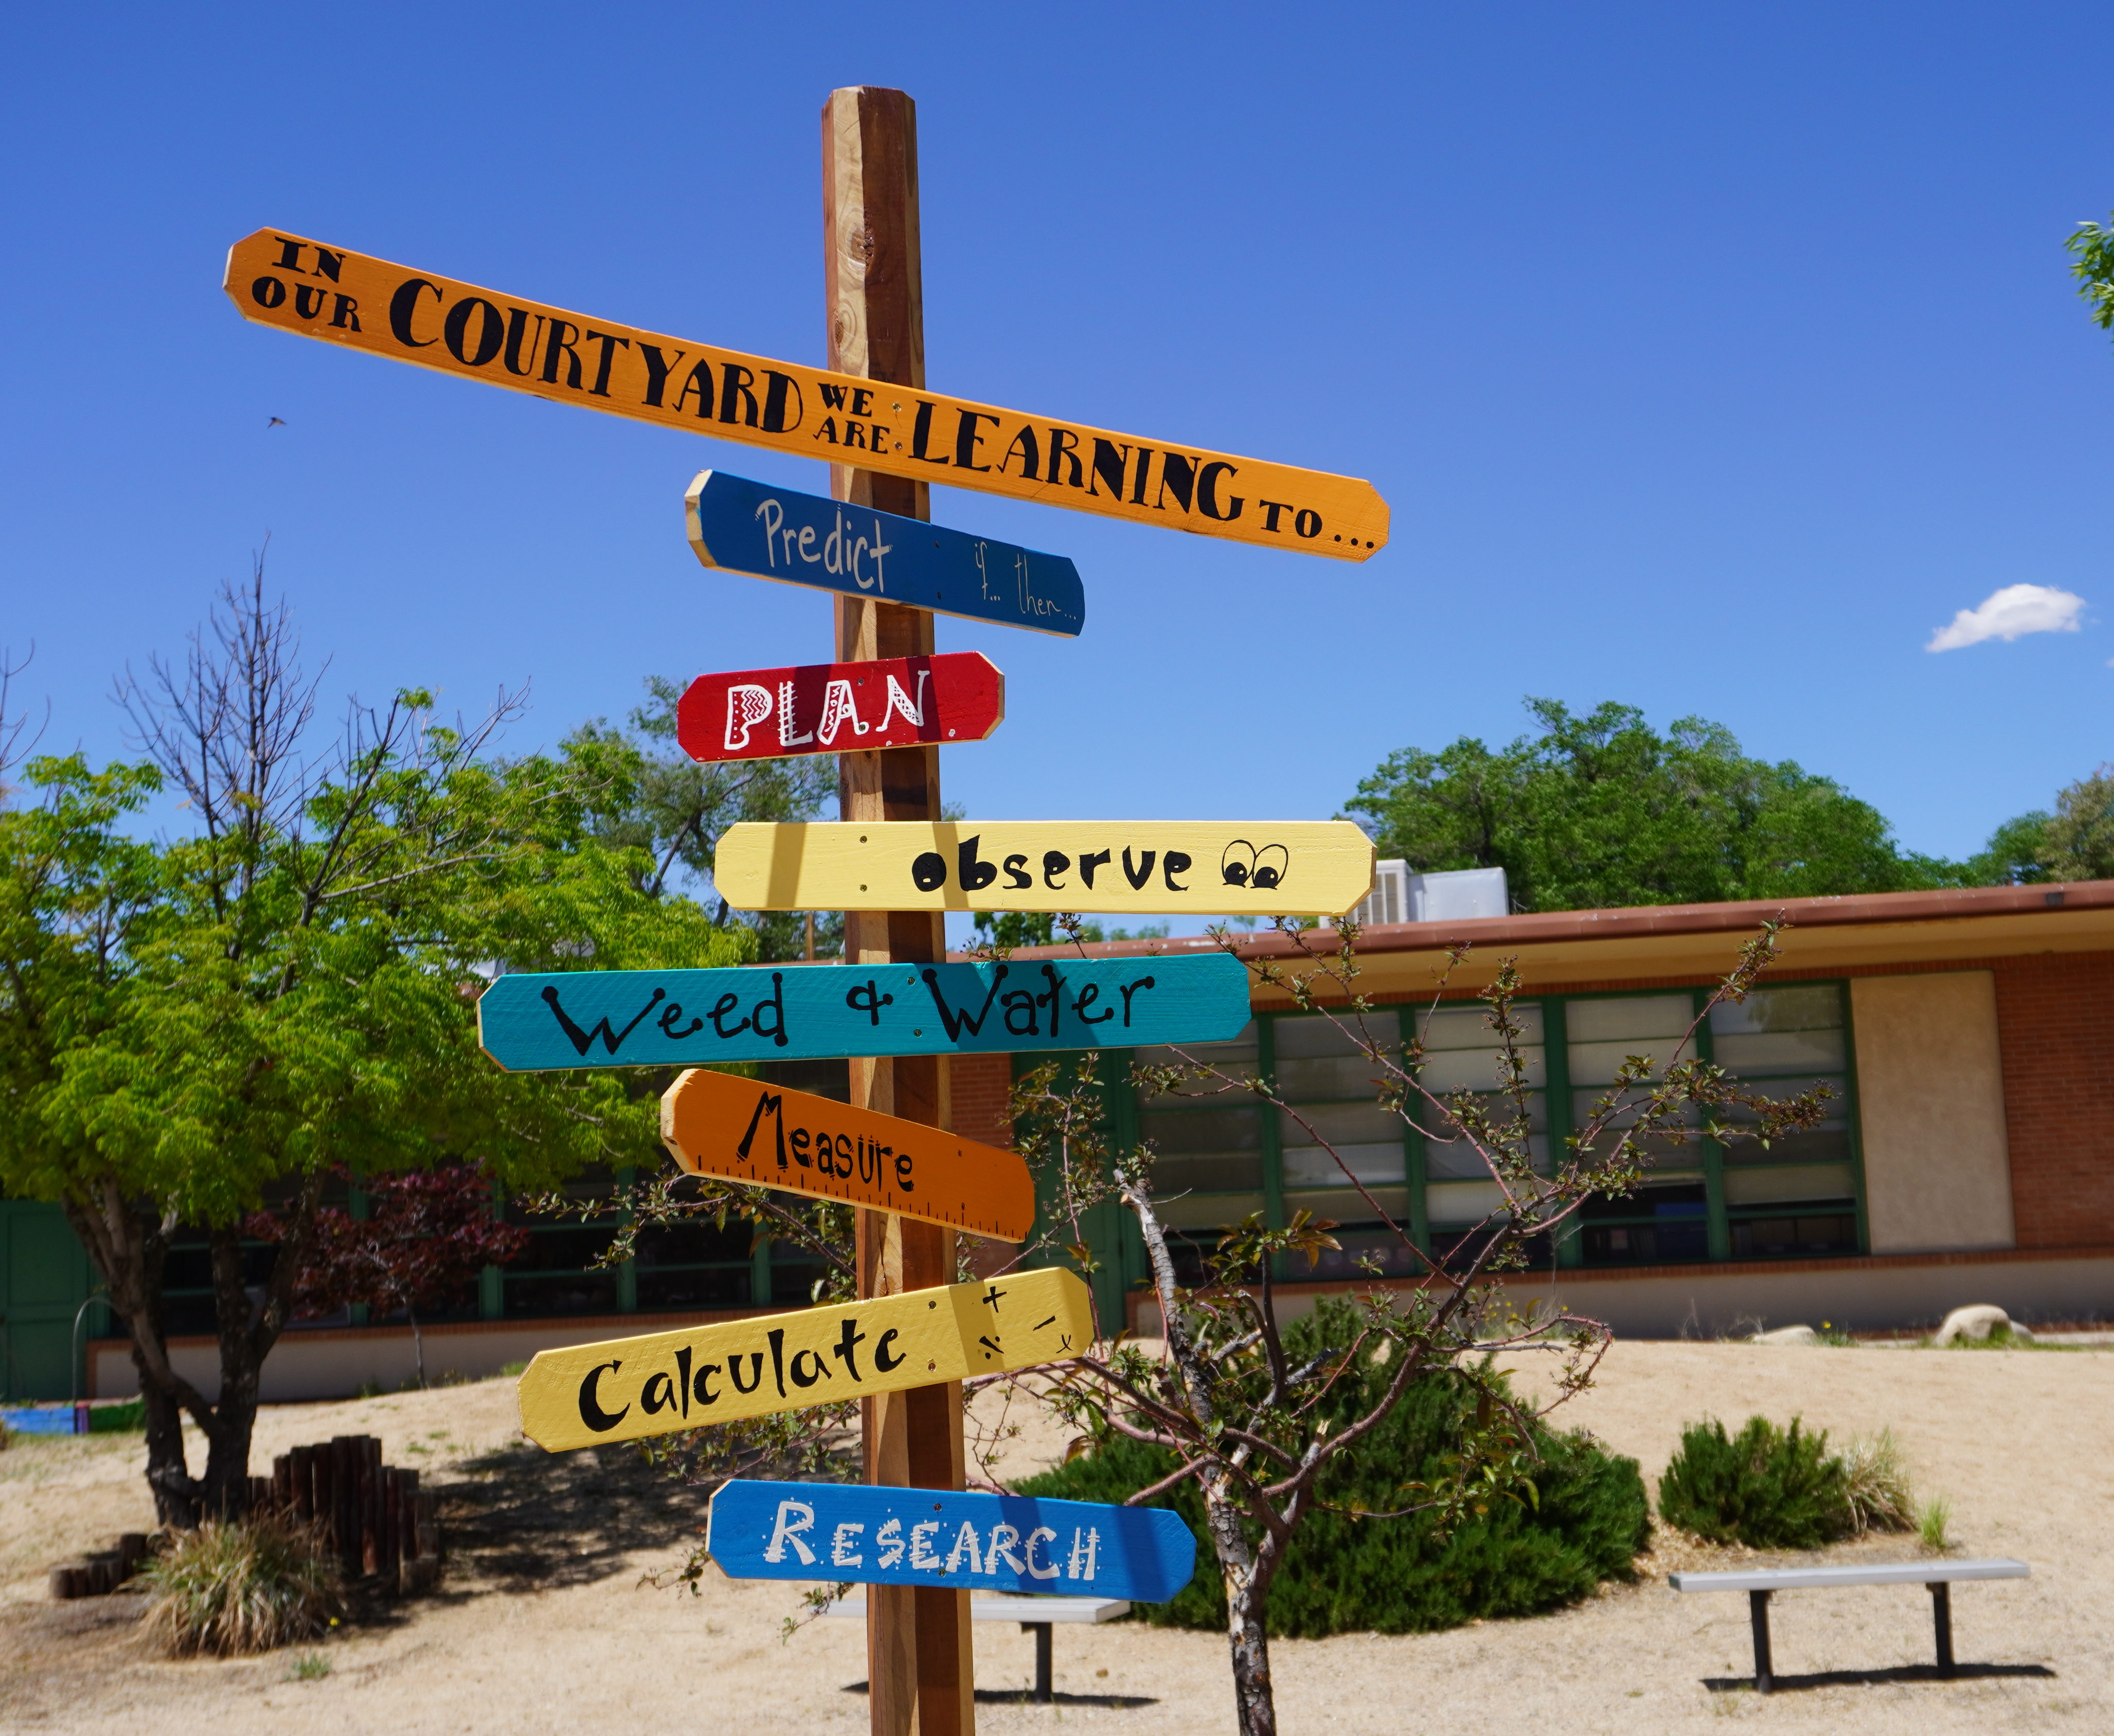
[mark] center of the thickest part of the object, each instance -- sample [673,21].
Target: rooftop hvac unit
[1464,895]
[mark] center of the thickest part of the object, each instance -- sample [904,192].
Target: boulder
[1974,1326]
[1786,1335]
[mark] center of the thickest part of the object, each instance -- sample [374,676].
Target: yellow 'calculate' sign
[625,1388]
[363,303]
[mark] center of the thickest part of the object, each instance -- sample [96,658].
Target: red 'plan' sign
[833,708]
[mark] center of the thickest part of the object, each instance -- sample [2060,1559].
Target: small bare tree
[1245,1421]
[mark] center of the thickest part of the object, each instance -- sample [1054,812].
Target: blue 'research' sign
[853,1532]
[740,526]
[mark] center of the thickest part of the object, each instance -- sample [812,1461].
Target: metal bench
[1034,1614]
[1759,1583]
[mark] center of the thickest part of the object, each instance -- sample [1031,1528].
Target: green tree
[2080,833]
[678,809]
[2017,854]
[2092,246]
[1600,810]
[198,1027]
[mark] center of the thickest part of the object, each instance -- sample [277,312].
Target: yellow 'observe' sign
[625,1388]
[363,303]
[1263,868]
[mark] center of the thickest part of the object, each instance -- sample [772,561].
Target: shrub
[1345,1573]
[1767,1488]
[247,1586]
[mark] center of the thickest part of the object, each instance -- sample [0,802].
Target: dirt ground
[543,1625]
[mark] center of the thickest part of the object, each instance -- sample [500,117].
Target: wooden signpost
[824,707]
[625,1389]
[296,283]
[1016,1543]
[718,1124]
[1259,867]
[531,1024]
[893,1007]
[740,526]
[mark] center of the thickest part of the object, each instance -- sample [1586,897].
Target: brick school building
[1968,1155]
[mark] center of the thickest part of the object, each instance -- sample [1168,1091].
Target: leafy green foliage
[675,810]
[1767,1488]
[233,1589]
[1573,1515]
[2075,842]
[2017,854]
[1601,810]
[191,1029]
[1007,929]
[2092,245]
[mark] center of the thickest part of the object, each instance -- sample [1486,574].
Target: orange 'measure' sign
[363,303]
[717,1124]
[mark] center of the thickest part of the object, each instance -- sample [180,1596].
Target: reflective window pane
[1781,1184]
[1462,1052]
[1237,1055]
[1453,1203]
[1604,1033]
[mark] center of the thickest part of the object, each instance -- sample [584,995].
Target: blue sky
[1711,359]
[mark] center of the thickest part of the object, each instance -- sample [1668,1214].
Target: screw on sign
[1258,868]
[718,1124]
[824,707]
[626,1389]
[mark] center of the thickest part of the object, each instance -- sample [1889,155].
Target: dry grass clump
[1875,1484]
[243,1586]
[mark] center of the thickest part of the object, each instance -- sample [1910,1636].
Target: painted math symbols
[1260,868]
[625,1388]
[716,1124]
[971,1542]
[827,708]
[363,303]
[741,526]
[531,1023]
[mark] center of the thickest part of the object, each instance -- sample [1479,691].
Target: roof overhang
[1572,948]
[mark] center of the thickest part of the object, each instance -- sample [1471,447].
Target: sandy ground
[543,1624]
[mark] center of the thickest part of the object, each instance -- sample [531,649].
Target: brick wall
[979,1084]
[2055,1024]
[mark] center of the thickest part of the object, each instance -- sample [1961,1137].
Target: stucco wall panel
[1930,1083]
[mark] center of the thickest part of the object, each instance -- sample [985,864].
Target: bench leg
[1758,1611]
[1042,1670]
[1941,1614]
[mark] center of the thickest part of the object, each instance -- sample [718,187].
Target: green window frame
[1714,1208]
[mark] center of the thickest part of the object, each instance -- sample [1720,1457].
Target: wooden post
[919,1665]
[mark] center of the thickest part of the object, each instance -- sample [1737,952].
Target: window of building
[1222,1155]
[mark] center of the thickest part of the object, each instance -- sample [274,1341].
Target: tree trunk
[130,1249]
[1246,1575]
[1254,1700]
[227,1494]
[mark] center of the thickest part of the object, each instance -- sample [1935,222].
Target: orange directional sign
[715,1123]
[343,297]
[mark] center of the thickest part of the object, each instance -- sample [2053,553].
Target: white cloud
[2006,614]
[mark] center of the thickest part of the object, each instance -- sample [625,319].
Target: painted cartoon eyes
[1243,865]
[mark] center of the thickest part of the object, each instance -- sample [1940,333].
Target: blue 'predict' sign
[741,526]
[688,1018]
[863,1535]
